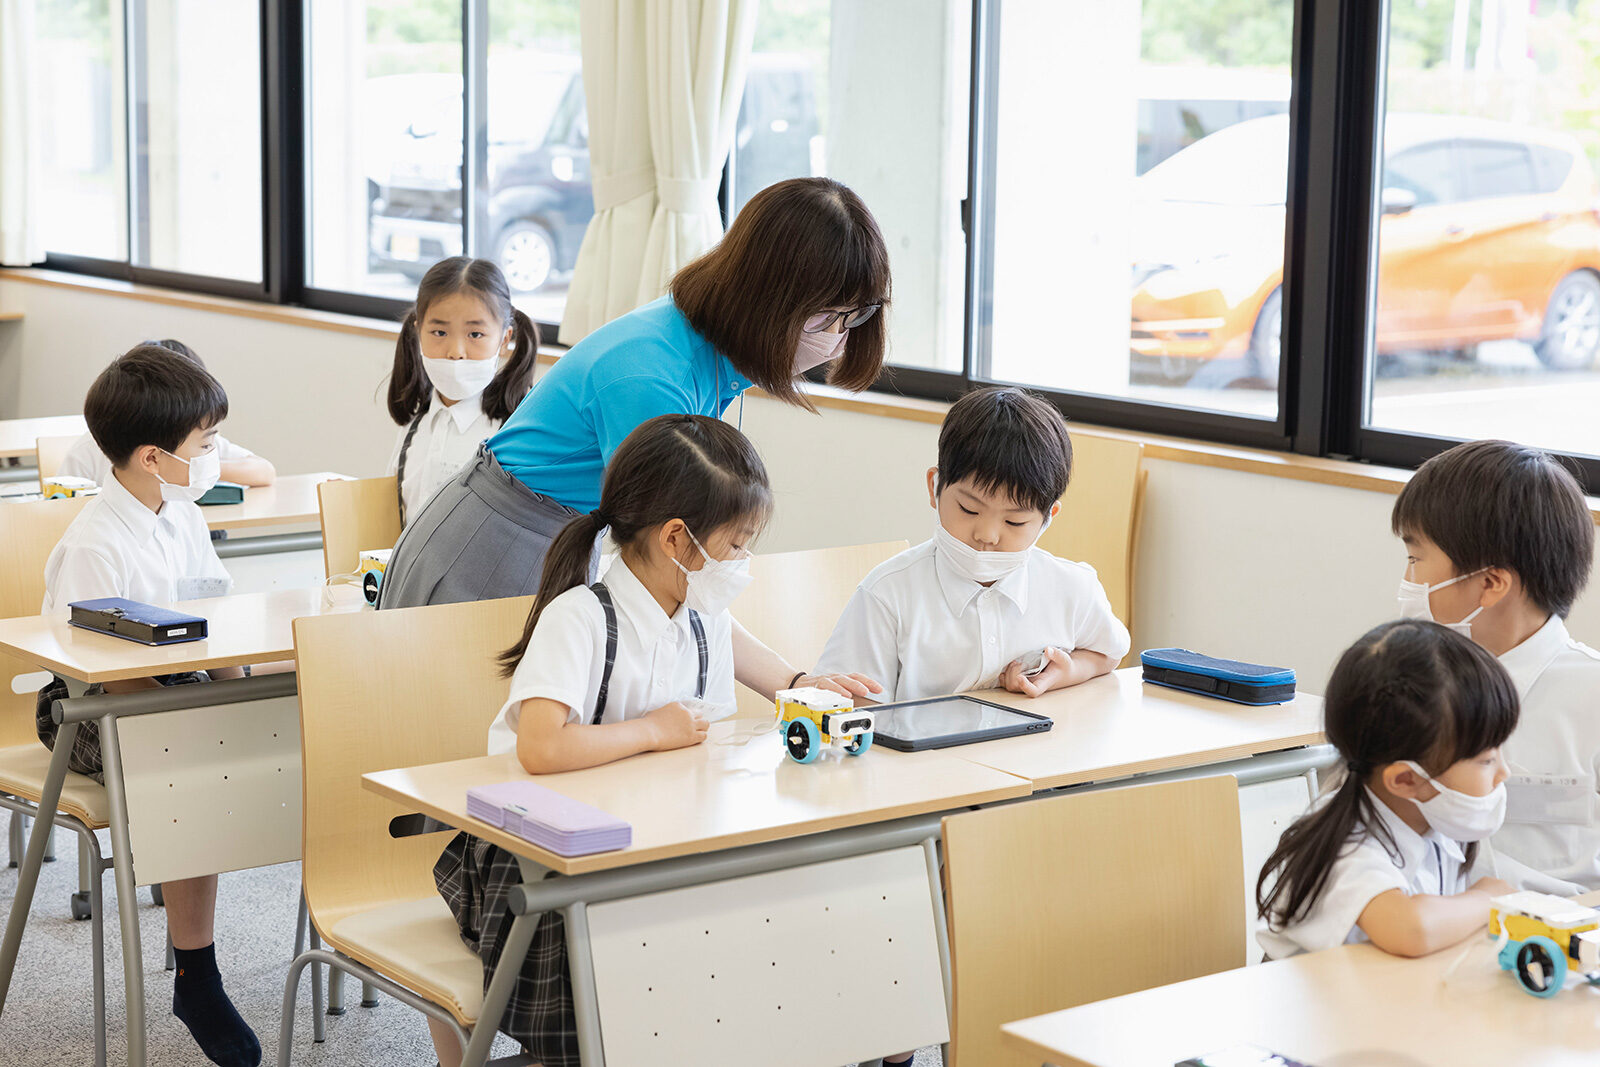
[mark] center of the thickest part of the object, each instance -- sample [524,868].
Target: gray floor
[48,1017]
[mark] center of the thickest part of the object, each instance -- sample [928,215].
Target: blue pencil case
[134,621]
[1229,679]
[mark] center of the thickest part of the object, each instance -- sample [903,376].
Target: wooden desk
[1115,726]
[1349,1006]
[20,437]
[712,796]
[246,629]
[289,501]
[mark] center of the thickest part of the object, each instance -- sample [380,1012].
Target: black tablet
[939,722]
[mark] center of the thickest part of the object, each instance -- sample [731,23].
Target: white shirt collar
[959,592]
[637,604]
[463,412]
[133,513]
[1527,661]
[1413,846]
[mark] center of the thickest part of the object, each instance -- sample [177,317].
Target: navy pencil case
[135,621]
[1229,679]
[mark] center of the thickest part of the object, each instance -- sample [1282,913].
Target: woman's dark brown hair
[1410,690]
[798,247]
[688,467]
[410,392]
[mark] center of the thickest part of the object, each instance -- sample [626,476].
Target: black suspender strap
[705,658]
[400,468]
[603,595]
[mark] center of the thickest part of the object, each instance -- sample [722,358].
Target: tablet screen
[928,719]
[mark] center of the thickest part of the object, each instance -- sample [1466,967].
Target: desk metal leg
[585,994]
[33,860]
[941,934]
[127,893]
[97,928]
[495,998]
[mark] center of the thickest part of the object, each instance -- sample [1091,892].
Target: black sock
[200,1004]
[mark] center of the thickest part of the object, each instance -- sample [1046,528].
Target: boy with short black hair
[970,608]
[154,414]
[1499,543]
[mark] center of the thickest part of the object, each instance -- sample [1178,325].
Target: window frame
[1339,70]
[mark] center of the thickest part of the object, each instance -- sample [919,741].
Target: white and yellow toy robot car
[370,570]
[1546,937]
[814,719]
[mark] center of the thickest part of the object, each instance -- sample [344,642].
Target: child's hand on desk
[675,726]
[854,686]
[1019,679]
[1493,886]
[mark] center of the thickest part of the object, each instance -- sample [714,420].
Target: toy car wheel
[859,743]
[369,586]
[1541,967]
[803,741]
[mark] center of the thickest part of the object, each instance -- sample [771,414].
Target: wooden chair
[1058,902]
[1099,520]
[797,597]
[369,702]
[49,453]
[357,515]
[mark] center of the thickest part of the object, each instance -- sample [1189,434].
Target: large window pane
[82,143]
[1143,147]
[198,123]
[824,97]
[383,166]
[540,199]
[1487,316]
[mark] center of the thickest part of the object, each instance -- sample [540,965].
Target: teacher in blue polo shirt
[799,280]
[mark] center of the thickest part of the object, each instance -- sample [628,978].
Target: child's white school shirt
[1551,838]
[1426,863]
[85,460]
[118,547]
[921,629]
[446,440]
[657,659]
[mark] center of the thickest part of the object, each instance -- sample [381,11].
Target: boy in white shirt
[238,464]
[970,608]
[154,414]
[1499,542]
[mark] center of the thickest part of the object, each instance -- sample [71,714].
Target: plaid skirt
[85,757]
[474,878]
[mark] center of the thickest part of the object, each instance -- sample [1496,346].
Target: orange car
[1489,231]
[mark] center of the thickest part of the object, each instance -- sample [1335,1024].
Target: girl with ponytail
[1418,714]
[639,661]
[463,361]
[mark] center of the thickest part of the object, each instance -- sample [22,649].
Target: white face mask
[1414,602]
[815,349]
[1462,816]
[969,563]
[204,472]
[717,584]
[458,379]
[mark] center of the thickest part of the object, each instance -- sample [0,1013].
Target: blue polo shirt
[649,362]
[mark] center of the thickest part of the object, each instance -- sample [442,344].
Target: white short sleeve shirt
[657,659]
[117,547]
[922,630]
[446,441]
[1417,863]
[1551,838]
[85,460]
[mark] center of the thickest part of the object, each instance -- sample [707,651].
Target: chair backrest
[1099,520]
[379,690]
[28,531]
[357,515]
[50,452]
[1058,902]
[797,597]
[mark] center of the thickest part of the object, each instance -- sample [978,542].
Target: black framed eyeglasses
[854,317]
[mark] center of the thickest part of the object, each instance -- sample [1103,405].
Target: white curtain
[19,240]
[663,79]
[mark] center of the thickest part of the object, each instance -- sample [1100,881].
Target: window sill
[1344,473]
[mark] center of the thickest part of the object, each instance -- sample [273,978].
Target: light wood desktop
[1348,1006]
[246,629]
[1115,726]
[712,796]
[289,501]
[20,437]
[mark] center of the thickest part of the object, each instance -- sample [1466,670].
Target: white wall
[1237,564]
